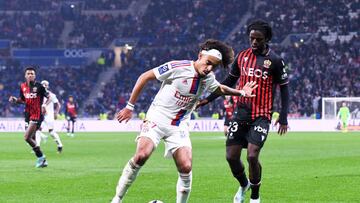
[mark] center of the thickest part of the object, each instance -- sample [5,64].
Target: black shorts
[73,119]
[242,133]
[227,121]
[38,122]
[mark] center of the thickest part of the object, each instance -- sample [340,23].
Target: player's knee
[252,158]
[231,159]
[140,158]
[185,167]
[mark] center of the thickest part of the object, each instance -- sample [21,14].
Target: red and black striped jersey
[267,70]
[71,109]
[33,96]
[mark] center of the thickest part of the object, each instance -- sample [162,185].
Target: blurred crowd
[171,30]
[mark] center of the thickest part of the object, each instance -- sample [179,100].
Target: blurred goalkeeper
[344,117]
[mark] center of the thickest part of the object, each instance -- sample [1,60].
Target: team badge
[267,63]
[246,58]
[34,89]
[163,69]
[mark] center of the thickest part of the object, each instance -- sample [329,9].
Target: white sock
[56,138]
[128,176]
[38,136]
[183,187]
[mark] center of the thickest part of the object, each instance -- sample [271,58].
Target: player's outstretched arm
[283,127]
[246,91]
[15,100]
[126,113]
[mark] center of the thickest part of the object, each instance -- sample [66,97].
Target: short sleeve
[212,83]
[163,71]
[280,73]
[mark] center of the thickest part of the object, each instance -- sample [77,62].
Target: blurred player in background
[344,117]
[71,115]
[229,110]
[52,111]
[250,124]
[183,82]
[32,94]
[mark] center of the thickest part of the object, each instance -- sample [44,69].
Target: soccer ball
[156,201]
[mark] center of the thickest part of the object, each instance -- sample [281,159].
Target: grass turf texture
[300,167]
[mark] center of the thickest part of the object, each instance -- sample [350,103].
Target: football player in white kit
[52,110]
[183,82]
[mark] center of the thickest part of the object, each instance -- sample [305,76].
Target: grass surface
[300,167]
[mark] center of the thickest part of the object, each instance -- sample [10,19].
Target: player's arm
[57,106]
[48,100]
[281,77]
[17,100]
[246,91]
[229,81]
[126,113]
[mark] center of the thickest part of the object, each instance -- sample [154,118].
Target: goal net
[331,106]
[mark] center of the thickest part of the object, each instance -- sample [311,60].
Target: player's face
[71,99]
[205,64]
[30,75]
[257,41]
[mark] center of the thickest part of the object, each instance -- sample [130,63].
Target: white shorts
[174,136]
[48,123]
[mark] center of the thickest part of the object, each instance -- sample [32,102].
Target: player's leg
[183,161]
[30,139]
[234,144]
[254,170]
[68,127]
[57,140]
[344,126]
[257,137]
[145,146]
[146,143]
[73,120]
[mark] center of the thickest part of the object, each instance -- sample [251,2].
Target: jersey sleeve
[164,71]
[54,98]
[213,84]
[234,70]
[21,95]
[43,91]
[280,73]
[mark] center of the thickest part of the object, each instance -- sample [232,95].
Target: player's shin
[183,187]
[128,176]
[56,138]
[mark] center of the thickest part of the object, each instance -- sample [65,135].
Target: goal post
[331,106]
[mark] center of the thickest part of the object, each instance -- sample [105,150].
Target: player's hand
[124,115]
[201,103]
[248,88]
[12,99]
[43,110]
[282,128]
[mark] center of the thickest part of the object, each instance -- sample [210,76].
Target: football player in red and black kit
[250,124]
[32,94]
[71,115]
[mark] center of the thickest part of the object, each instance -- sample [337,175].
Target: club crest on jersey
[24,89]
[184,82]
[267,63]
[34,89]
[246,58]
[163,69]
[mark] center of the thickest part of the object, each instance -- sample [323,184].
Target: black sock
[37,151]
[242,179]
[255,190]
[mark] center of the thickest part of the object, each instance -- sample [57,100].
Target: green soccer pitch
[299,167]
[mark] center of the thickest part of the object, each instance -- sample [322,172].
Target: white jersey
[50,106]
[180,90]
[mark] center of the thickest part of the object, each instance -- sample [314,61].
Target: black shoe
[59,150]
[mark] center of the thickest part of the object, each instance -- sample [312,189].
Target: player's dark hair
[261,26]
[226,51]
[31,67]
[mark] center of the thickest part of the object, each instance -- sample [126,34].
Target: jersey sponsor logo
[255,72]
[260,129]
[267,63]
[163,69]
[30,95]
